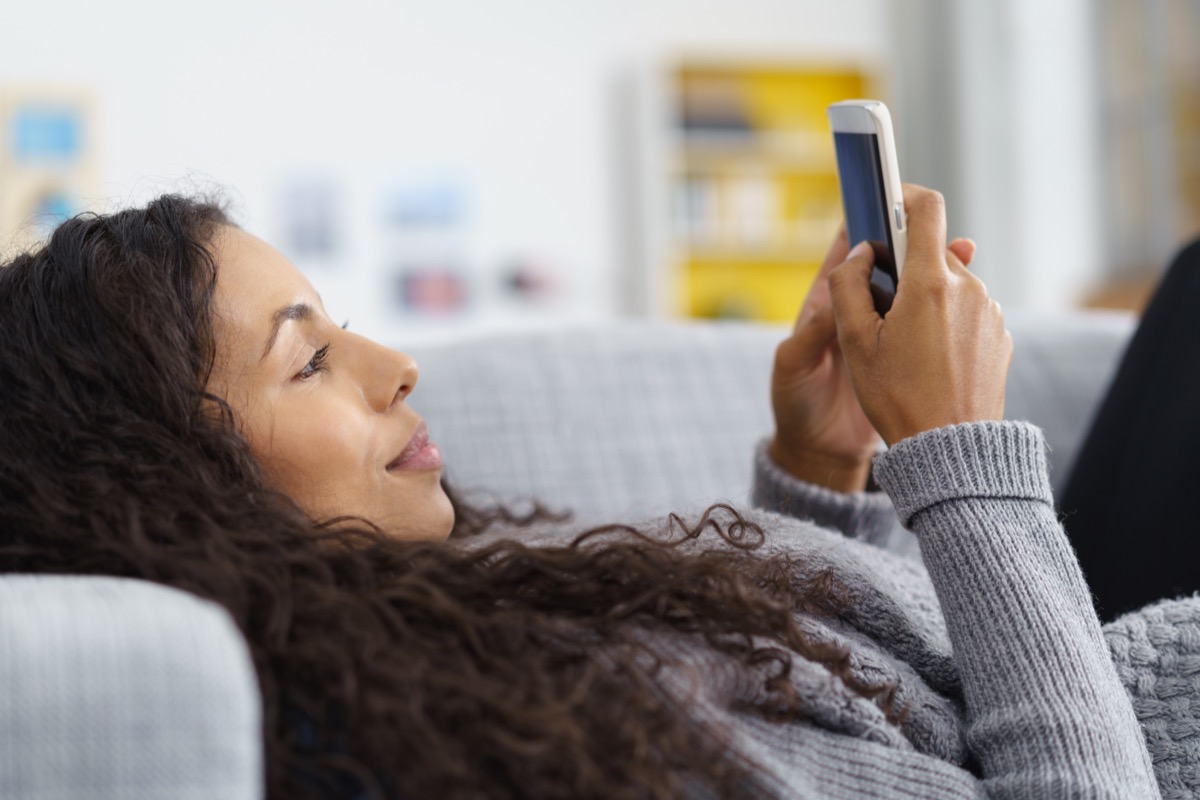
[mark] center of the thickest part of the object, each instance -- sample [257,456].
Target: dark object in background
[1129,505]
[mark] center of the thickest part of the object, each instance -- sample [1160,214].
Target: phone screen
[861,174]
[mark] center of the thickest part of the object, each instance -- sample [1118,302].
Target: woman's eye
[315,364]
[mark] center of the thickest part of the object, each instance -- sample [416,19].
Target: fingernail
[860,249]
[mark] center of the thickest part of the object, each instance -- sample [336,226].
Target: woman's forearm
[1046,712]
[866,516]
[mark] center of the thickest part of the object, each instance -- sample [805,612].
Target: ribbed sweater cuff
[867,516]
[971,460]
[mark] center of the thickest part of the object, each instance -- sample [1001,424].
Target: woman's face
[324,410]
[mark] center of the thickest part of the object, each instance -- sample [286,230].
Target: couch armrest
[115,688]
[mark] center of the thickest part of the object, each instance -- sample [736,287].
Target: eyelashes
[315,364]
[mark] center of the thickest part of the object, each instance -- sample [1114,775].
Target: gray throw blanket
[989,637]
[1157,654]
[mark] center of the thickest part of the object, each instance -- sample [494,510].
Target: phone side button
[898,210]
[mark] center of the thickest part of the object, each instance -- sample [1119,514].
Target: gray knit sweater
[992,640]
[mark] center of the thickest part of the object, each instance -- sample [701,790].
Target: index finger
[926,210]
[836,253]
[818,293]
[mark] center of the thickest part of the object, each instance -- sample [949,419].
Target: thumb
[850,291]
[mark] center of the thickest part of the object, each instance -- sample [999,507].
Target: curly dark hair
[387,667]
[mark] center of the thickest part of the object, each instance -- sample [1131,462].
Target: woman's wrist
[847,475]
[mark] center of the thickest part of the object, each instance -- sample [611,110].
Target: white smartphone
[872,196]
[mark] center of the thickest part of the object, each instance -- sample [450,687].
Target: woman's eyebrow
[296,311]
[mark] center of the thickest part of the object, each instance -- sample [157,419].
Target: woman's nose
[389,376]
[405,376]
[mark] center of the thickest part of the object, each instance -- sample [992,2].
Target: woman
[178,407]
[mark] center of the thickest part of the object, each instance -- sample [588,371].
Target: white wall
[519,97]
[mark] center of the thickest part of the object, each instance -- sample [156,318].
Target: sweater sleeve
[1046,714]
[867,516]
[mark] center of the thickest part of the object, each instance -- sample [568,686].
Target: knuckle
[929,199]
[837,278]
[974,289]
[853,340]
[938,285]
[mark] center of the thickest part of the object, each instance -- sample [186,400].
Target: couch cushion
[642,417]
[609,421]
[1062,365]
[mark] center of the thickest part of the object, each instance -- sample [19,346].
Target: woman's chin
[431,519]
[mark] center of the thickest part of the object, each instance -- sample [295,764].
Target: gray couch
[115,688]
[643,418]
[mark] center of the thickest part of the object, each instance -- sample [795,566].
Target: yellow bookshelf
[753,189]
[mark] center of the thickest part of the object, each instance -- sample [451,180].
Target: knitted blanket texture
[968,599]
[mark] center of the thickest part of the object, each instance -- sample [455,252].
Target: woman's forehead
[248,265]
[254,281]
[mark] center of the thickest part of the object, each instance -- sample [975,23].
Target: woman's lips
[419,454]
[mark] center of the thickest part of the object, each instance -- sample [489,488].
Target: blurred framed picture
[48,159]
[430,290]
[310,229]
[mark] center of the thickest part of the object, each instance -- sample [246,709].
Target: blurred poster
[530,280]
[425,237]
[425,203]
[310,224]
[430,291]
[47,160]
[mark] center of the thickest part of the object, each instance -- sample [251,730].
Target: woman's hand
[941,355]
[822,435]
